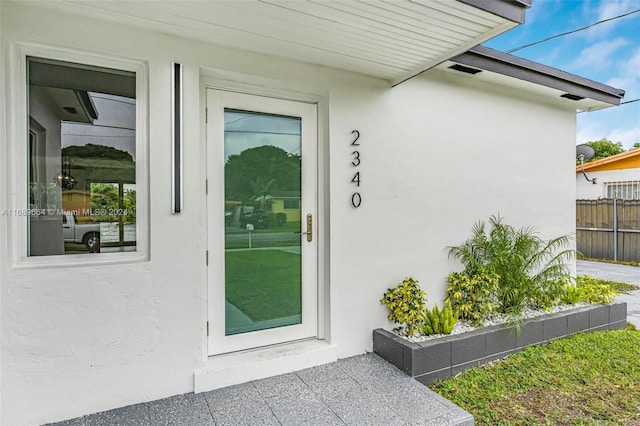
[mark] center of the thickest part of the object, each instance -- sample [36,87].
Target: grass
[286,227]
[260,244]
[264,284]
[586,379]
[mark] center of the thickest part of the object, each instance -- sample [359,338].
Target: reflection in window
[82,158]
[262,211]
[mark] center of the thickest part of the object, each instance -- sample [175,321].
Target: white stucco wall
[439,153]
[586,190]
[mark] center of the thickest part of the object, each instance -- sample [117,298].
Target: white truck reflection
[85,233]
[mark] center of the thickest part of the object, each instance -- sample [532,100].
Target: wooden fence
[608,229]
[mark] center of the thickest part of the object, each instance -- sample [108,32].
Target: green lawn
[286,227]
[264,284]
[260,244]
[586,379]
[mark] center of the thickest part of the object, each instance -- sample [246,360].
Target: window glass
[82,158]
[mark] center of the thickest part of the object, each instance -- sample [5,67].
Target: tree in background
[605,148]
[636,145]
[257,172]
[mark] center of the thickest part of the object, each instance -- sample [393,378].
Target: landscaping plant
[471,296]
[439,321]
[530,270]
[588,289]
[407,305]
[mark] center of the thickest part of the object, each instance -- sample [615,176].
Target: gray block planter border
[442,358]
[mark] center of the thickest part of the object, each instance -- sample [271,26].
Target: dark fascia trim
[87,104]
[513,10]
[503,63]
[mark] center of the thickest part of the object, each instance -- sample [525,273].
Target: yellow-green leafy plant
[588,289]
[406,303]
[472,296]
[440,321]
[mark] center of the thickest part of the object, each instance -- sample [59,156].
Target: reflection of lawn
[264,284]
[287,227]
[262,244]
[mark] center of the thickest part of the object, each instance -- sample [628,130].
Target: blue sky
[607,53]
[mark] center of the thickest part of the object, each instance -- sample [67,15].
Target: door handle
[309,232]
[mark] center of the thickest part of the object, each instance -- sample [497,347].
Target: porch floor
[362,390]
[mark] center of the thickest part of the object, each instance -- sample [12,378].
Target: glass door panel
[263,268]
[262,201]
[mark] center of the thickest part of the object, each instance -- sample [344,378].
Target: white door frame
[216,102]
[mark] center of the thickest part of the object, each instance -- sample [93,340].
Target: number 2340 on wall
[356,198]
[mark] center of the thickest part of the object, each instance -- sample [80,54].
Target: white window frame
[17,156]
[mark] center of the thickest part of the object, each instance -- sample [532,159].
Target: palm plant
[531,271]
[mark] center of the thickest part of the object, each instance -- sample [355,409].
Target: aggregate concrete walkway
[620,273]
[362,390]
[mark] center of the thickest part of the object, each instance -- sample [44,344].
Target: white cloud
[599,55]
[627,136]
[610,8]
[592,131]
[607,9]
[627,76]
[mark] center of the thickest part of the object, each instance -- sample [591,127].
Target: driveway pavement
[620,273]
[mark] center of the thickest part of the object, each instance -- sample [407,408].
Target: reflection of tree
[105,201]
[99,163]
[96,151]
[129,205]
[109,174]
[257,172]
[262,188]
[104,198]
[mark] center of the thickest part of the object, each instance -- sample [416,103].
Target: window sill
[79,260]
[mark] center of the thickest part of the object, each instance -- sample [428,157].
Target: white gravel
[465,327]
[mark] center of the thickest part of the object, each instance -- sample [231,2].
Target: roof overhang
[393,40]
[623,157]
[493,66]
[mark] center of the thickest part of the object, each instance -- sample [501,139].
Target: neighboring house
[405,135]
[287,203]
[617,177]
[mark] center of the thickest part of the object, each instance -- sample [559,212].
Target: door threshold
[239,367]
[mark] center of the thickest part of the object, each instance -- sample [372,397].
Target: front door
[262,192]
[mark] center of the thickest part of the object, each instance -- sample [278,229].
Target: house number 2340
[356,198]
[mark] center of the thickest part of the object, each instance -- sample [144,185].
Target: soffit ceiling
[389,39]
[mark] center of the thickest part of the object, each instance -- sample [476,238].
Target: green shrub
[281,218]
[471,296]
[588,289]
[439,321]
[531,271]
[571,294]
[406,303]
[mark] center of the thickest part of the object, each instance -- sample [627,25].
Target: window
[626,190]
[292,204]
[81,158]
